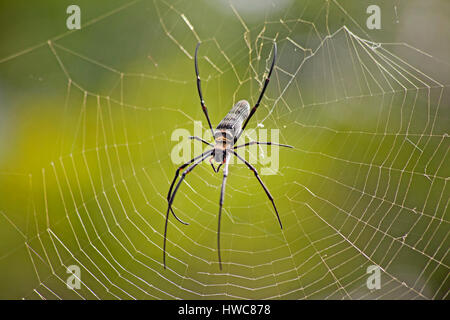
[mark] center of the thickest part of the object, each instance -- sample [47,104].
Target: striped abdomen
[229,128]
[231,125]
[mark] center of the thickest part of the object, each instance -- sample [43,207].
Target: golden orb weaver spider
[225,137]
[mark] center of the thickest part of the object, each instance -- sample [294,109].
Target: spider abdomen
[231,125]
[229,128]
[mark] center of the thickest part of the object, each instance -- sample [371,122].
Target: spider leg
[183,175]
[222,193]
[265,143]
[175,178]
[262,184]
[212,165]
[199,88]
[201,140]
[266,82]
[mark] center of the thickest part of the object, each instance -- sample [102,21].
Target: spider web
[365,185]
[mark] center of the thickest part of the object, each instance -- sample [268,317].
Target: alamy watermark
[74,19]
[73,282]
[374,20]
[267,156]
[374,280]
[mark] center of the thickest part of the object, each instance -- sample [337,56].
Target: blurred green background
[86,119]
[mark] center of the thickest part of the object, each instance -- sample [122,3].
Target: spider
[225,136]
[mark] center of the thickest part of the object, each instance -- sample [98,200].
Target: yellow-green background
[83,177]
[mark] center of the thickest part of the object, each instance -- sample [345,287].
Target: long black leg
[214,168]
[199,88]
[265,143]
[262,184]
[175,178]
[222,194]
[266,82]
[201,140]
[183,175]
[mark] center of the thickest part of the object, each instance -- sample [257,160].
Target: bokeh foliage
[86,119]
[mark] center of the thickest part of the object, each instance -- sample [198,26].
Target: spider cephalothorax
[225,136]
